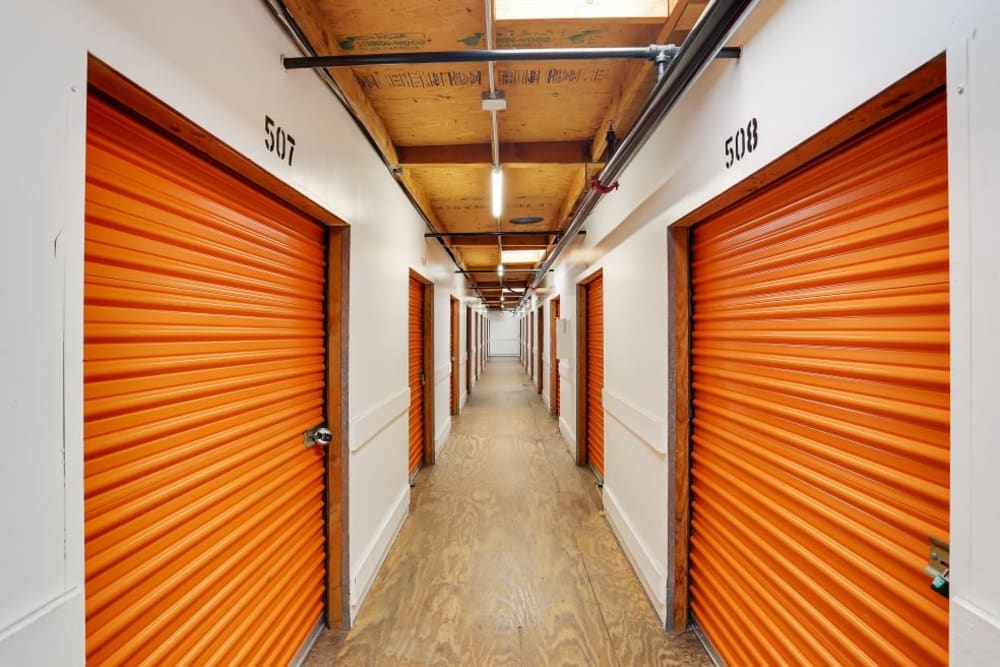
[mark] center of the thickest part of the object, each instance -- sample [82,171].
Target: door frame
[582,366]
[455,351]
[427,330]
[554,388]
[897,99]
[111,85]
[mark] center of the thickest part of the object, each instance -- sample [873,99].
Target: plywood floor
[506,558]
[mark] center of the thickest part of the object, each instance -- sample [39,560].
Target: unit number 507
[742,143]
[277,141]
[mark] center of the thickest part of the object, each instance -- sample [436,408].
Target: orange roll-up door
[203,365]
[820,367]
[554,358]
[416,374]
[595,374]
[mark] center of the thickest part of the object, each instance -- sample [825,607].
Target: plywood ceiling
[428,122]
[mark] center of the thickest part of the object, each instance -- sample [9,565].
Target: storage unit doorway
[554,357]
[819,398]
[420,335]
[590,379]
[212,321]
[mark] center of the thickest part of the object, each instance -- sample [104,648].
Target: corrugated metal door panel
[554,358]
[531,345]
[820,447]
[595,374]
[558,380]
[453,345]
[416,329]
[203,364]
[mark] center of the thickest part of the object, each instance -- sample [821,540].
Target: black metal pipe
[701,45]
[506,271]
[471,235]
[489,55]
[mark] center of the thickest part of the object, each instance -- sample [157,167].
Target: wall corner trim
[649,428]
[370,423]
[651,573]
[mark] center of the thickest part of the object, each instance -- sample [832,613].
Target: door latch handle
[320,435]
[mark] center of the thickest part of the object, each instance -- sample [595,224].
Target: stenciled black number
[742,143]
[277,140]
[281,145]
[269,134]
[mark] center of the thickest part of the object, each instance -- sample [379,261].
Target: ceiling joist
[511,154]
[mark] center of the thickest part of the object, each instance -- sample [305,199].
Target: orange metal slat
[859,553]
[119,465]
[416,370]
[870,484]
[595,374]
[919,443]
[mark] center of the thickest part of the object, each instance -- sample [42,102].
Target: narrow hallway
[506,558]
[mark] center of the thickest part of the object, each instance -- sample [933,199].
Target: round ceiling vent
[525,220]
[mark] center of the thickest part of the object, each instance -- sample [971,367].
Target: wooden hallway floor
[506,557]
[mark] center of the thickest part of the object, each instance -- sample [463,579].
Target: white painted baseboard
[50,635]
[368,424]
[364,572]
[441,439]
[568,436]
[975,635]
[651,574]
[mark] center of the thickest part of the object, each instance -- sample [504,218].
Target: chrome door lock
[320,435]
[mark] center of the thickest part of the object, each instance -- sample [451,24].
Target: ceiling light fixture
[521,256]
[500,269]
[497,191]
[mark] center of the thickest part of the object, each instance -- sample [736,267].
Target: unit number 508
[742,143]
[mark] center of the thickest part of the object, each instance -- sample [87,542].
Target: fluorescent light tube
[497,191]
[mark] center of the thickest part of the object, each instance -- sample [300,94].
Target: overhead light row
[497,182]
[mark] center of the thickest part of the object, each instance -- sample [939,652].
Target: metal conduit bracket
[662,57]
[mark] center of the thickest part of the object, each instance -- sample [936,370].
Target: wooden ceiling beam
[631,81]
[511,154]
[579,185]
[539,242]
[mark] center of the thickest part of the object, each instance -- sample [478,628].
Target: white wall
[805,64]
[503,333]
[218,64]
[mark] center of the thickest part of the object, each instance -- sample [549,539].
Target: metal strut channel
[472,235]
[653,53]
